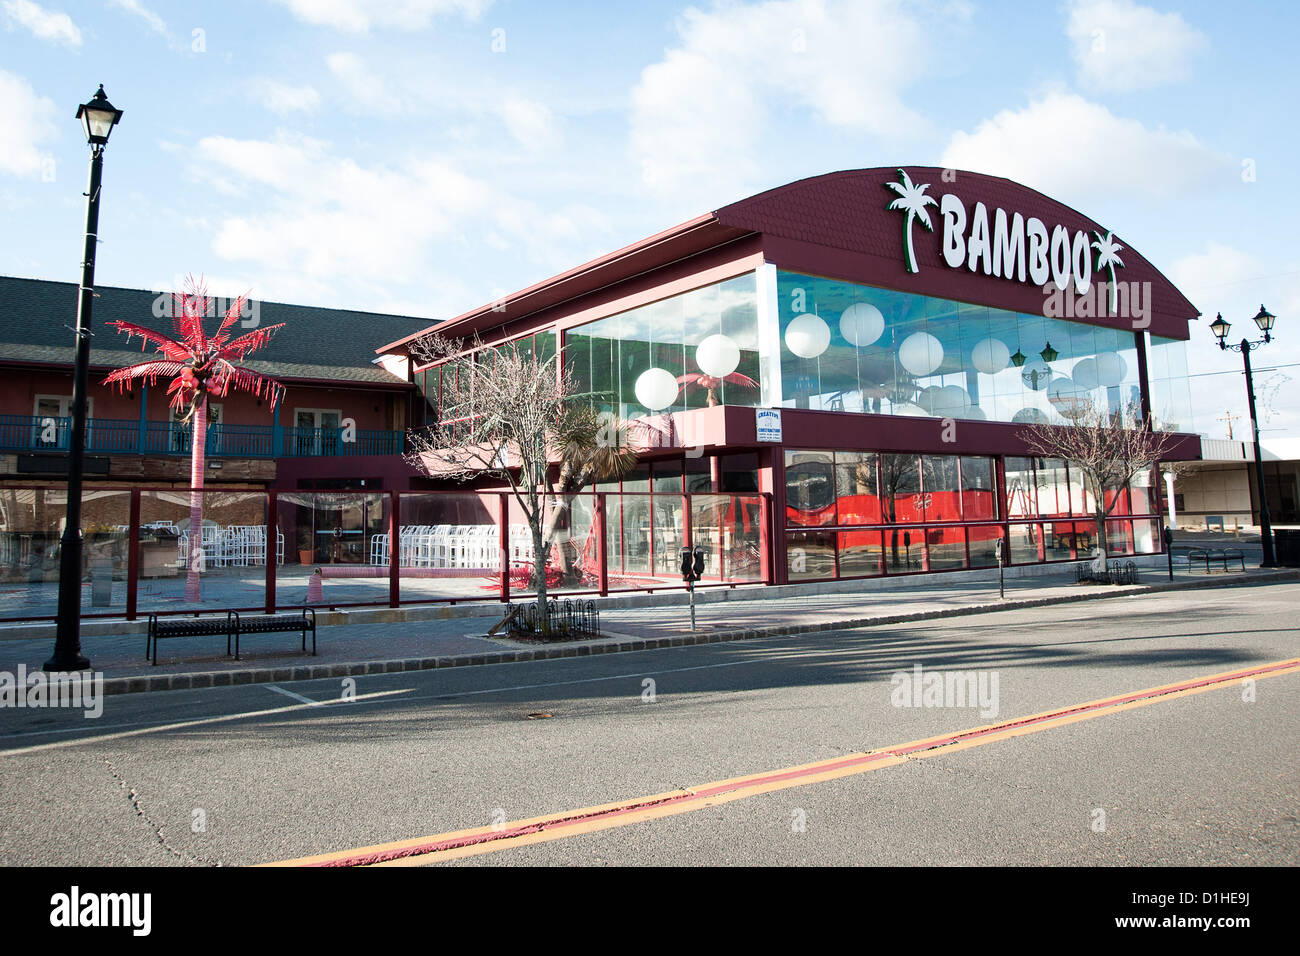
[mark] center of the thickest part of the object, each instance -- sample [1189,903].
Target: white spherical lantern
[954,402]
[1111,368]
[1085,374]
[862,324]
[907,408]
[717,356]
[931,399]
[807,335]
[656,388]
[990,356]
[920,353]
[1067,396]
[1030,416]
[1035,374]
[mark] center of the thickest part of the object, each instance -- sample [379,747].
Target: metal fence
[161,550]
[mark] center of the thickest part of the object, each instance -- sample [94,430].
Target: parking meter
[692,571]
[1169,550]
[997,548]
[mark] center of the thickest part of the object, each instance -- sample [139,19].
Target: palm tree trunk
[907,240]
[198,443]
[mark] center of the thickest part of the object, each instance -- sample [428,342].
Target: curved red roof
[839,225]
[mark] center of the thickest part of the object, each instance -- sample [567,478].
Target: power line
[1269,368]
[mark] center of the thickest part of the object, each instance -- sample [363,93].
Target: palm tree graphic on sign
[912,200]
[1108,258]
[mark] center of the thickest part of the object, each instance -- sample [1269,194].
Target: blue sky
[426,156]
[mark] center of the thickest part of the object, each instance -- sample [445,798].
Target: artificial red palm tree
[199,366]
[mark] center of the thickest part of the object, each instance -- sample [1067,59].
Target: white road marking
[289,693]
[183,724]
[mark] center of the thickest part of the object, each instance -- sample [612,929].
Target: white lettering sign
[1007,245]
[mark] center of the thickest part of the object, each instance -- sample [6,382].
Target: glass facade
[842,346]
[609,357]
[859,514]
[849,347]
[779,338]
[1171,392]
[862,514]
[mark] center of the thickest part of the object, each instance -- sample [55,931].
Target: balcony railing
[123,437]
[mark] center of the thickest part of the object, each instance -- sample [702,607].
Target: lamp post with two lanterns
[1264,319]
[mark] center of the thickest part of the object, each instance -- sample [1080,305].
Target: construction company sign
[1007,245]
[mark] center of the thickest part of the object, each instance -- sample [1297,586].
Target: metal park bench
[275,624]
[233,626]
[185,627]
[1208,556]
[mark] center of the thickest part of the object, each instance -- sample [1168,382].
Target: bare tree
[510,416]
[1108,447]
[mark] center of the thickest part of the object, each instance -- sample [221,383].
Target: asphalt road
[1208,778]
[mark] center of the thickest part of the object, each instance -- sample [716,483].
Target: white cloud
[284,98]
[530,123]
[1072,149]
[136,8]
[358,16]
[1120,46]
[326,219]
[363,85]
[1217,267]
[43,23]
[701,110]
[30,120]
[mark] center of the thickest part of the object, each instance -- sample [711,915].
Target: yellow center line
[556,826]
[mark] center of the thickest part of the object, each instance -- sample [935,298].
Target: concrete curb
[491,607]
[270,675]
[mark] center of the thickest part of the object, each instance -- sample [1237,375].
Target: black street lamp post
[1264,319]
[98,117]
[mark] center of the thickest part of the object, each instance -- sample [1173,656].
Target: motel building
[834,377]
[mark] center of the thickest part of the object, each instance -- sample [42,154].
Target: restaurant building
[848,363]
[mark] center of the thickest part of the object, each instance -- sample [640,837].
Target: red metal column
[774,477]
[765,536]
[503,543]
[132,554]
[272,532]
[601,546]
[394,549]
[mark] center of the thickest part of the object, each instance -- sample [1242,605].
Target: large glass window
[850,347]
[941,488]
[856,493]
[692,350]
[977,499]
[810,487]
[1171,395]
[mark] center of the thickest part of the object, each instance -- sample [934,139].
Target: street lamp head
[98,117]
[1049,354]
[1018,359]
[1220,329]
[1264,319]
